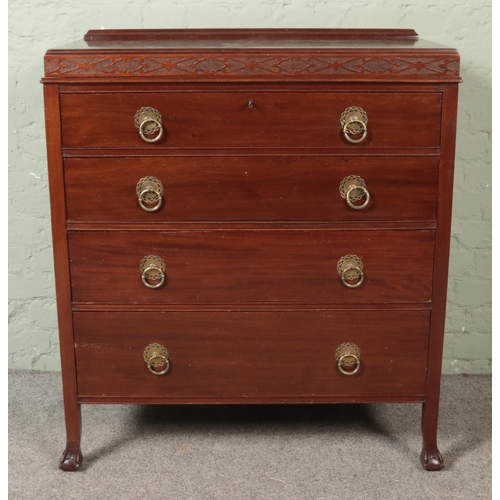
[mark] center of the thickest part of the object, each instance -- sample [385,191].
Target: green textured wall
[35,26]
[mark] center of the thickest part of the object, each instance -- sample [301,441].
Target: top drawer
[251,119]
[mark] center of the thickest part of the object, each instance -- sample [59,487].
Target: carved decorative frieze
[252,65]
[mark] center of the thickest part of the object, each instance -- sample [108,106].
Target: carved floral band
[253,65]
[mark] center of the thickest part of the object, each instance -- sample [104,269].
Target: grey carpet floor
[248,452]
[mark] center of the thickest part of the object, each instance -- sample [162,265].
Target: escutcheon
[149,192]
[353,189]
[354,121]
[147,121]
[350,269]
[348,358]
[152,270]
[156,357]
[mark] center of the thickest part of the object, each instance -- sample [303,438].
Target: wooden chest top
[253,55]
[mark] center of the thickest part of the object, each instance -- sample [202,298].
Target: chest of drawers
[251,216]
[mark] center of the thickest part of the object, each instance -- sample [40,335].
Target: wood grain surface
[275,119]
[257,354]
[251,188]
[251,266]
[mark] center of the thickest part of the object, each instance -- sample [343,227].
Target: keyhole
[250,104]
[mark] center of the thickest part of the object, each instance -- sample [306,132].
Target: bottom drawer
[222,354]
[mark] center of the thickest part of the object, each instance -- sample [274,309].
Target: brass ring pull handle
[352,189]
[346,279]
[152,269]
[145,276]
[149,193]
[354,121]
[147,120]
[156,356]
[347,356]
[350,268]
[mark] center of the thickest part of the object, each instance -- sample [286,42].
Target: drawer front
[251,119]
[249,189]
[251,354]
[237,266]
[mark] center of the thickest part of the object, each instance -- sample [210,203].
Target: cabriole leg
[430,457]
[71,459]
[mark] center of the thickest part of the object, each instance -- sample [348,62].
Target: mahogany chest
[251,216]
